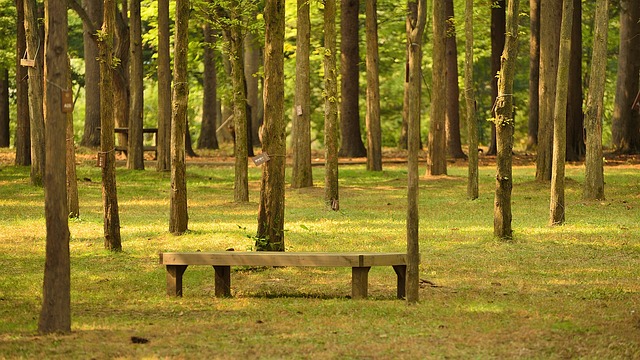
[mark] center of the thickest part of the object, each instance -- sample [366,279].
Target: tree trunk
[73,203]
[534,74]
[164,88]
[415,24]
[504,123]
[208,138]
[498,26]
[112,239]
[550,19]
[251,75]
[454,145]
[23,141]
[271,209]
[594,172]
[470,98]
[302,175]
[55,316]
[5,134]
[374,132]
[351,145]
[575,117]
[121,101]
[34,52]
[404,130]
[227,131]
[135,156]
[91,134]
[179,218]
[626,122]
[437,161]
[331,134]
[557,204]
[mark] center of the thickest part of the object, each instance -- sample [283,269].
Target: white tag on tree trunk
[261,159]
[67,101]
[299,110]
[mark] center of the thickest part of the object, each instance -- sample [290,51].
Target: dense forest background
[392,52]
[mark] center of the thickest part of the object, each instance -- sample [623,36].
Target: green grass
[553,292]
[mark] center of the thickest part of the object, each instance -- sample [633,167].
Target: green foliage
[8,25]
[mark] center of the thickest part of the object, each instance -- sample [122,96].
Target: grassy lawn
[554,292]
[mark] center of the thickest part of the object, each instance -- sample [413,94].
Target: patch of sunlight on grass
[484,308]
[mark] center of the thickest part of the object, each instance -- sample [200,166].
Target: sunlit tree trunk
[135,156]
[91,134]
[470,98]
[331,130]
[23,140]
[374,132]
[454,144]
[208,138]
[437,158]
[164,88]
[498,20]
[534,74]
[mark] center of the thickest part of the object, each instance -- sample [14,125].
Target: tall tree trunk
[626,122]
[135,156]
[415,24]
[404,129]
[164,88]
[437,161]
[374,132]
[498,26]
[594,171]
[271,208]
[351,145]
[454,144]
[534,74]
[55,315]
[302,175]
[179,218]
[5,134]
[73,203]
[121,100]
[470,98]
[550,19]
[331,130]
[23,140]
[208,138]
[34,52]
[227,131]
[575,117]
[112,239]
[557,204]
[251,73]
[91,134]
[504,122]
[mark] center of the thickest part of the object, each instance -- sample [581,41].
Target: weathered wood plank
[360,282]
[174,279]
[266,258]
[223,281]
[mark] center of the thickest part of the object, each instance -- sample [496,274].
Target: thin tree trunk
[23,140]
[91,134]
[504,121]
[112,239]
[575,117]
[164,88]
[208,138]
[72,180]
[251,73]
[5,134]
[331,131]
[470,98]
[55,316]
[594,171]
[415,24]
[179,218]
[557,204]
[404,130]
[35,52]
[135,156]
[498,26]
[374,132]
[454,144]
[437,161]
[534,74]
[271,208]
[302,175]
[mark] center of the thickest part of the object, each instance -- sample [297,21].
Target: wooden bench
[360,263]
[125,147]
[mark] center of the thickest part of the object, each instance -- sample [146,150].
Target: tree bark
[34,52]
[271,208]
[331,196]
[164,88]
[557,203]
[91,134]
[415,24]
[73,202]
[575,116]
[437,161]
[626,121]
[498,26]
[135,155]
[504,123]
[302,175]
[122,96]
[374,132]
[550,19]
[112,239]
[5,134]
[251,75]
[470,98]
[208,138]
[534,74]
[454,144]
[23,140]
[351,145]
[594,171]
[179,219]
[55,315]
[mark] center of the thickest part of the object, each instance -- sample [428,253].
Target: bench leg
[174,279]
[401,271]
[223,281]
[359,282]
